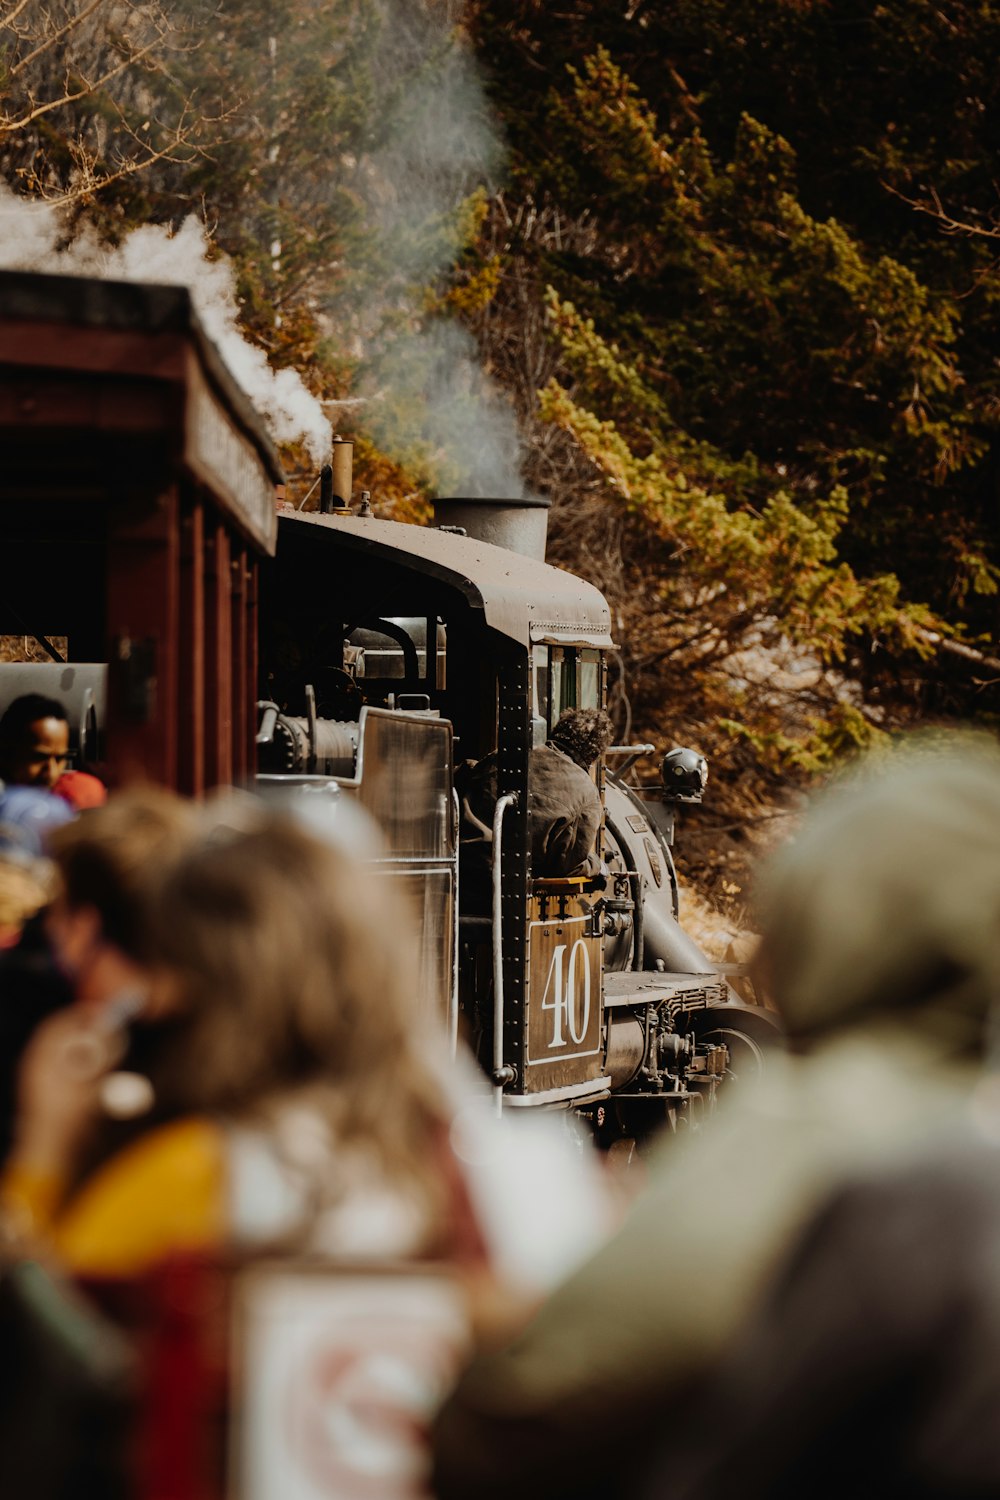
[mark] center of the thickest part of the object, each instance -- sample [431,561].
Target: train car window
[394,649]
[589,679]
[567,694]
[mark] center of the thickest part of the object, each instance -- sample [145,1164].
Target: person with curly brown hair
[300,1086]
[564,805]
[301,1102]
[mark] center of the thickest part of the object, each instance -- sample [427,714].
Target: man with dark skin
[34,742]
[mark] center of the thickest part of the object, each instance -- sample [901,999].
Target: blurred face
[74,934]
[40,758]
[165,993]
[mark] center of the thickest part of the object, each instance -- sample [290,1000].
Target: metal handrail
[634,752]
[635,886]
[456,812]
[509,799]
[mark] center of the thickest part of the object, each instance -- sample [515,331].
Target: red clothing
[81,790]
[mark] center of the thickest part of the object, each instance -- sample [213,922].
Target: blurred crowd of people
[213,1056]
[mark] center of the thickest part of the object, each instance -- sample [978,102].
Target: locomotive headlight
[684,774]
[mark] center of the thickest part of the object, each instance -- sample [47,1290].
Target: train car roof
[106,331]
[520,597]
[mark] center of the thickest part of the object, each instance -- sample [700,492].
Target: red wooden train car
[137,498]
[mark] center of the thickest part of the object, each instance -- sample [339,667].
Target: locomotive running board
[650,987]
[579,1093]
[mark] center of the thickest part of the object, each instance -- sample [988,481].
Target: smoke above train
[420,381]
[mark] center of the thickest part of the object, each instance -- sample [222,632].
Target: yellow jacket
[164,1194]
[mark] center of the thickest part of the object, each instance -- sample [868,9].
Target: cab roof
[524,599]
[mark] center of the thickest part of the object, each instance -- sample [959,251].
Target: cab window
[565,677]
[588,669]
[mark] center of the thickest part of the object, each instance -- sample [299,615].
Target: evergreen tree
[758,379]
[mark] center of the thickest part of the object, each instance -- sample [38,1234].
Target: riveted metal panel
[513,746]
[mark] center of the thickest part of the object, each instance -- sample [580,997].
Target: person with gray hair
[889,900]
[880,946]
[883,1321]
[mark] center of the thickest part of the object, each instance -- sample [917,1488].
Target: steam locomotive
[216,634]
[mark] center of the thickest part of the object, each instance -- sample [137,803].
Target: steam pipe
[500,1072]
[265,734]
[336,478]
[665,939]
[632,751]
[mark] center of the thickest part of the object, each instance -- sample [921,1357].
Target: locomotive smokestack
[518,525]
[337,477]
[343,470]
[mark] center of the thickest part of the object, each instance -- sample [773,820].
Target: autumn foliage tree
[298,133]
[740,286]
[751,363]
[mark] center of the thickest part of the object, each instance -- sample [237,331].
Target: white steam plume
[32,233]
[464,421]
[438,142]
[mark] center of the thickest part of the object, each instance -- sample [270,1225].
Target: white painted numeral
[570,1003]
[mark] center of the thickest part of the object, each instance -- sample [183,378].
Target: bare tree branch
[10,20]
[80,76]
[52,39]
[961,650]
[935,209]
